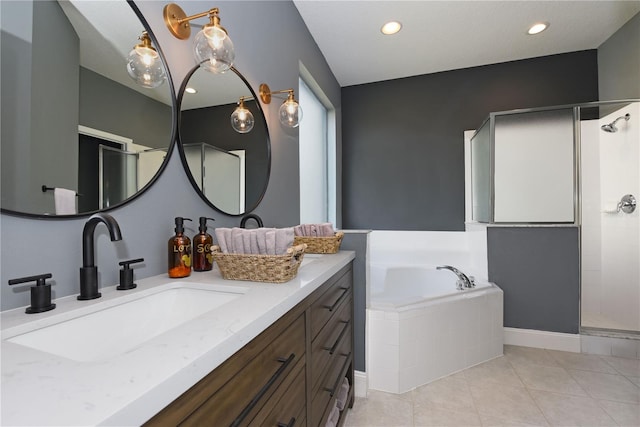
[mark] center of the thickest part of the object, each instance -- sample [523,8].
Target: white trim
[542,339]
[361,383]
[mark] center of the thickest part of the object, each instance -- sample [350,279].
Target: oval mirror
[230,170]
[73,120]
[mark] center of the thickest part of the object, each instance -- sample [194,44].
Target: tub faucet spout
[463,280]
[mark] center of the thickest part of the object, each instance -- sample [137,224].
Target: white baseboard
[361,383]
[542,339]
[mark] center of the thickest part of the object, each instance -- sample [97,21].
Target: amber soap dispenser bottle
[202,257]
[179,251]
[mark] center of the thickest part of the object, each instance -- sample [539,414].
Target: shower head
[611,127]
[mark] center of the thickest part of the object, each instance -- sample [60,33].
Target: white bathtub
[421,328]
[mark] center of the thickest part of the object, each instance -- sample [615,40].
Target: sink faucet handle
[40,293]
[126,274]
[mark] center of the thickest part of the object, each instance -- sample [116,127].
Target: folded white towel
[334,416]
[65,201]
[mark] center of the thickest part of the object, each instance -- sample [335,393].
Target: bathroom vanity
[272,354]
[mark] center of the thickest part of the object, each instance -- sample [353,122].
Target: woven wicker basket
[320,245]
[259,268]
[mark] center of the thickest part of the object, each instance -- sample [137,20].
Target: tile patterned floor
[525,387]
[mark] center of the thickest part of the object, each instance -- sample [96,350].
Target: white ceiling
[446,35]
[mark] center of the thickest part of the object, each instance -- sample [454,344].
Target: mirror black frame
[183,157]
[172,142]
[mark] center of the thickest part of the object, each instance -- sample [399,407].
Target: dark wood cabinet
[289,375]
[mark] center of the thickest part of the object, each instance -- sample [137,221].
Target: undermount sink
[112,330]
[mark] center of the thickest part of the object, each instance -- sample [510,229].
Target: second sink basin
[116,329]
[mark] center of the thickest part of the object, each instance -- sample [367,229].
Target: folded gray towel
[270,236]
[284,240]
[314,230]
[222,241]
[253,241]
[238,241]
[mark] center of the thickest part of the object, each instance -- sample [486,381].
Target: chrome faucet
[89,272]
[463,280]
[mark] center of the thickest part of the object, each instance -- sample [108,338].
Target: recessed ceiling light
[391,27]
[538,27]
[190,90]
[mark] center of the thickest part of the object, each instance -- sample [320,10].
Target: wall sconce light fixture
[144,65]
[212,47]
[290,111]
[242,119]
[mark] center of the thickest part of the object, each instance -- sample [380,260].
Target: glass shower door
[610,222]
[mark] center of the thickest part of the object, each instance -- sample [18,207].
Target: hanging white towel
[65,201]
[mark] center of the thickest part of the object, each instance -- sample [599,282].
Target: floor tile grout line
[529,392]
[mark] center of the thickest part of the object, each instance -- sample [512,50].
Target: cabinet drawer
[239,400]
[334,339]
[287,405]
[328,388]
[324,307]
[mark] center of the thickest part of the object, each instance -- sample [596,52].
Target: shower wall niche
[523,167]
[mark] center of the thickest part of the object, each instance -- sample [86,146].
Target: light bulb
[242,119]
[213,49]
[290,113]
[215,35]
[144,65]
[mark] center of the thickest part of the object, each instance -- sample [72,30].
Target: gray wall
[270,39]
[403,139]
[538,268]
[111,107]
[619,63]
[38,78]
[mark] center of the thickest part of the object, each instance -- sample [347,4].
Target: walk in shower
[573,166]
[610,231]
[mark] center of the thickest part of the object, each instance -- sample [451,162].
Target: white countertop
[40,388]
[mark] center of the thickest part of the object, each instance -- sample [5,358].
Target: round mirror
[79,134]
[228,168]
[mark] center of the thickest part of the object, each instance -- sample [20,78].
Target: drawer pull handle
[285,363]
[292,422]
[332,349]
[336,384]
[339,300]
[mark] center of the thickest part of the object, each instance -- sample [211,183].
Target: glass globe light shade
[213,49]
[290,113]
[144,66]
[241,119]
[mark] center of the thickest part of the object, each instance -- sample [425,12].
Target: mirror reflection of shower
[611,127]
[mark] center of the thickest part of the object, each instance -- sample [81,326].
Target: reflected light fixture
[190,90]
[242,119]
[144,64]
[290,111]
[537,28]
[212,47]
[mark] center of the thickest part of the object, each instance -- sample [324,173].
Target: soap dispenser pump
[202,256]
[179,251]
